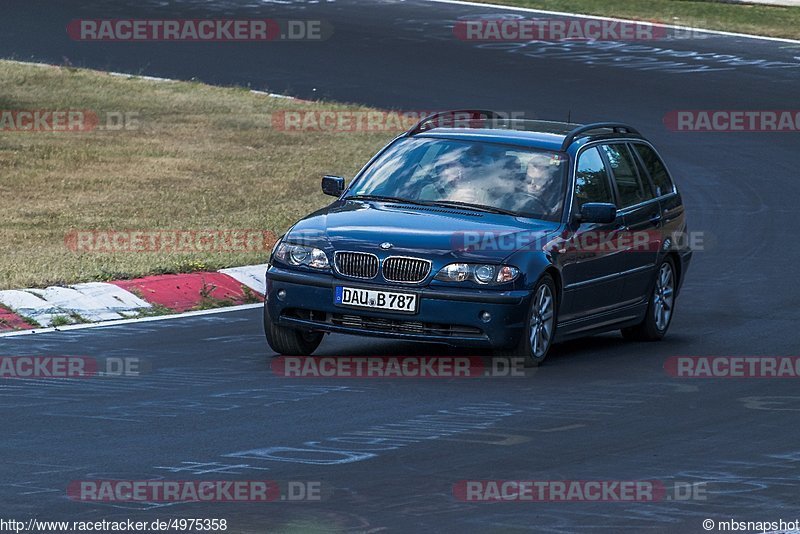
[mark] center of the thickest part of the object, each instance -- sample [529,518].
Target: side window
[630,187]
[656,168]
[591,180]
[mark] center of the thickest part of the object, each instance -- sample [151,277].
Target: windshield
[522,181]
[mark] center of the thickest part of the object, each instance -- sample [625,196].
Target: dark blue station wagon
[485,232]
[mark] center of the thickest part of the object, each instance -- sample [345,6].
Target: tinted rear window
[630,187]
[591,181]
[656,168]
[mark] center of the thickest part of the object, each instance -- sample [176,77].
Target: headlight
[301,255]
[298,255]
[455,272]
[274,248]
[507,274]
[481,274]
[484,273]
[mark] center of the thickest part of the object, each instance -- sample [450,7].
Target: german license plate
[375,299]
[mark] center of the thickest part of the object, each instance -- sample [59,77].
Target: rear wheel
[659,310]
[534,344]
[290,341]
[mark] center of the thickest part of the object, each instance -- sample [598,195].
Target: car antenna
[569,116]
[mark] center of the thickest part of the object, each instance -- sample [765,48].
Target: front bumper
[451,316]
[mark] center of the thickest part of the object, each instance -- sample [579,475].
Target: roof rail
[616,127]
[454,115]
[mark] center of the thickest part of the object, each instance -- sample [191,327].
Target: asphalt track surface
[601,409]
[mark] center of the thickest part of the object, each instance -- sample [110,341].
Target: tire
[660,308]
[541,322]
[290,341]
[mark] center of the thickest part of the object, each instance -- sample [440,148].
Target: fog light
[282,294]
[486,317]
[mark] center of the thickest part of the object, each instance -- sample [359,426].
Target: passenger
[543,185]
[443,181]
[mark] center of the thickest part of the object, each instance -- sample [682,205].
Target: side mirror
[332,185]
[597,212]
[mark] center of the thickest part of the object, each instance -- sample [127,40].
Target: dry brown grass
[202,158]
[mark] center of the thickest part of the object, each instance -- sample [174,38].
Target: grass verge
[199,158]
[772,21]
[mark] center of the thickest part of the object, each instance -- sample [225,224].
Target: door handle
[655,219]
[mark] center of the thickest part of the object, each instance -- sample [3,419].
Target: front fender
[532,265]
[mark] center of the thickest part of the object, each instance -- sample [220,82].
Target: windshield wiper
[386,199]
[476,207]
[439,203]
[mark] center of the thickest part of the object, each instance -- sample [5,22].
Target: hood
[433,232]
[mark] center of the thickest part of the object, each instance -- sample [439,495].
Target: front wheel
[534,344]
[660,308]
[290,341]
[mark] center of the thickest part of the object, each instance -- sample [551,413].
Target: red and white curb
[143,299]
[31,309]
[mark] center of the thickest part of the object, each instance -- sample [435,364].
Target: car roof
[540,140]
[492,127]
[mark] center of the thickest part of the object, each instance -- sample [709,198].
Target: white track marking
[614,19]
[131,321]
